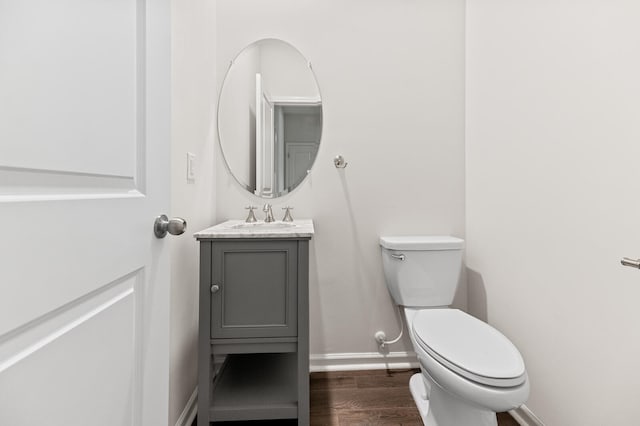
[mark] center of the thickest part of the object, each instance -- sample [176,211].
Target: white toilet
[470,370]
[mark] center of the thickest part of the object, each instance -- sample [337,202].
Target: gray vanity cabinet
[254,316]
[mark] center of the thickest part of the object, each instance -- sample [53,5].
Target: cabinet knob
[215,288]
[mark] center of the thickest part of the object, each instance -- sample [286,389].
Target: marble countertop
[240,229]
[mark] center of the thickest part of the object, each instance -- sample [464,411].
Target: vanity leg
[303,334]
[203,397]
[303,388]
[205,361]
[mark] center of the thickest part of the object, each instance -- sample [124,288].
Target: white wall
[553,144]
[193,124]
[391,75]
[297,81]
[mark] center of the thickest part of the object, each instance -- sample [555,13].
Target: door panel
[300,158]
[258,289]
[83,172]
[248,289]
[88,344]
[73,78]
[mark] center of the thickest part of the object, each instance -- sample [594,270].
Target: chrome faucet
[268,213]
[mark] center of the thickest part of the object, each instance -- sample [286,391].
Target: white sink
[263,225]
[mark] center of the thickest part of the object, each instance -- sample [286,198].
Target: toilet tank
[422,271]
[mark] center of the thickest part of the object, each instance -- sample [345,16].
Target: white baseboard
[525,417]
[362,361]
[190,410]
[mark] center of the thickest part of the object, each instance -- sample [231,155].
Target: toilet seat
[469,347]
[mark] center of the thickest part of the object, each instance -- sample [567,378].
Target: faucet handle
[251,217]
[287,215]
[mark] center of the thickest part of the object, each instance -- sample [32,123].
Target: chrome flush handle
[630,262]
[398,256]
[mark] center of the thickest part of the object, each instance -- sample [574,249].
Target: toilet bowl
[469,370]
[472,371]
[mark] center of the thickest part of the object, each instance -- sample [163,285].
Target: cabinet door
[257,289]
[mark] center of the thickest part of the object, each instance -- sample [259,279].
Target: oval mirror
[270,118]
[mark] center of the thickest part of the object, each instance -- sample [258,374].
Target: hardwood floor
[362,398]
[376,397]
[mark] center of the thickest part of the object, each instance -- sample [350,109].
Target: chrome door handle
[163,224]
[630,262]
[215,288]
[398,256]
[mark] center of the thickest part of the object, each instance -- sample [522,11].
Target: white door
[84,163]
[264,141]
[300,157]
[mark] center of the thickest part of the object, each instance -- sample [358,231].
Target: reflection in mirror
[270,118]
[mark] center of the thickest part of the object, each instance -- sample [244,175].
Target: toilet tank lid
[425,242]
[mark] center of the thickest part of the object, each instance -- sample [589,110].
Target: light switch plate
[191,167]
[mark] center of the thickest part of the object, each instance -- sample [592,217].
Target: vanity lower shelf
[255,386]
